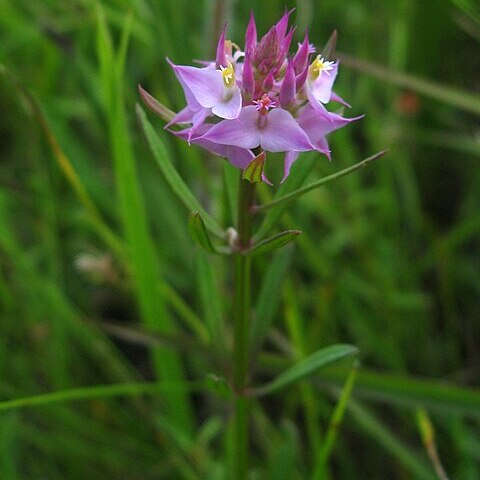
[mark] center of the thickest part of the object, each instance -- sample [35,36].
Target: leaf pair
[199,233]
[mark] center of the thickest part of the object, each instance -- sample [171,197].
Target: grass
[110,315]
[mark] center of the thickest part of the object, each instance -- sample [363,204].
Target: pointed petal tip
[266,180]
[251,34]
[172,65]
[221,58]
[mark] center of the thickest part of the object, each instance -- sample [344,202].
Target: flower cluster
[259,99]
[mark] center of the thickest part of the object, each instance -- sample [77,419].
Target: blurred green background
[95,253]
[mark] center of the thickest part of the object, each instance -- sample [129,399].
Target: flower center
[318,66]
[264,104]
[228,75]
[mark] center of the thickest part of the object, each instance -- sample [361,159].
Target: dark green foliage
[102,285]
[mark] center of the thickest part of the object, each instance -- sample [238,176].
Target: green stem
[241,326]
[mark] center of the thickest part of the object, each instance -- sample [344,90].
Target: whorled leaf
[306,367]
[273,243]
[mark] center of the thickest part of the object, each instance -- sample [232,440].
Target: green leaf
[300,171]
[273,243]
[458,98]
[155,106]
[199,233]
[409,391]
[469,7]
[211,300]
[334,424]
[306,367]
[388,441]
[269,296]
[144,259]
[65,165]
[285,456]
[172,177]
[329,49]
[100,391]
[319,183]
[230,175]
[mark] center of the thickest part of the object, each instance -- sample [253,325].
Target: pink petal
[230,108]
[290,158]
[242,132]
[282,133]
[206,84]
[189,96]
[336,98]
[183,116]
[321,88]
[198,120]
[317,123]
[239,157]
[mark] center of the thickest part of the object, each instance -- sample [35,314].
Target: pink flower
[259,98]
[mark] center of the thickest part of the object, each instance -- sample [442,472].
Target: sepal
[254,172]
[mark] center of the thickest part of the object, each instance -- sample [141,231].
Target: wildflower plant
[259,99]
[241,106]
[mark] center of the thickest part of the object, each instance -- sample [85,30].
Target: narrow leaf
[319,183]
[467,101]
[333,427]
[230,175]
[211,300]
[144,260]
[273,243]
[306,367]
[427,433]
[65,165]
[155,106]
[269,297]
[171,175]
[300,171]
[388,441]
[285,456]
[100,391]
[329,49]
[199,233]
[409,391]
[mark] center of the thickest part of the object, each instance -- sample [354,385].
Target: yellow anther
[228,74]
[318,66]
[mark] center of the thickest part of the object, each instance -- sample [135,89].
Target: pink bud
[287,90]
[268,82]
[221,58]
[302,78]
[267,50]
[300,60]
[286,42]
[282,24]
[248,80]
[251,35]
